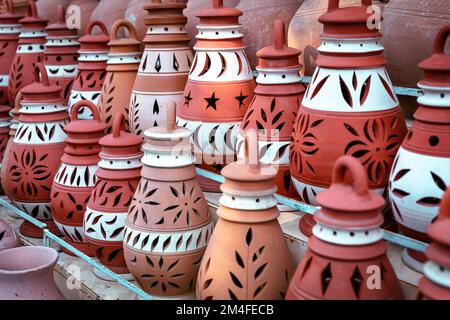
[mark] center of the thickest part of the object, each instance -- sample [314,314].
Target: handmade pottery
[36,151]
[109,11]
[21,6]
[80,12]
[164,67]
[421,171]
[9,39]
[349,108]
[61,53]
[169,225]
[247,257]
[8,237]
[75,179]
[92,62]
[116,181]
[123,63]
[219,88]
[272,112]
[435,285]
[26,273]
[5,123]
[30,51]
[47,9]
[347,250]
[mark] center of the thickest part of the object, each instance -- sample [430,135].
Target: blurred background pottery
[8,237]
[47,9]
[86,7]
[109,11]
[5,123]
[135,13]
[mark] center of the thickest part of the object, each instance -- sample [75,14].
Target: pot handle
[358,175]
[118,124]
[251,150]
[97,23]
[279,34]
[441,39]
[19,97]
[32,10]
[171,121]
[122,23]
[40,74]
[87,104]
[334,4]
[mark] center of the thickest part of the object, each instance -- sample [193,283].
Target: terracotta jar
[5,123]
[254,263]
[123,63]
[116,181]
[421,171]
[435,285]
[164,67]
[169,225]
[272,112]
[135,13]
[21,6]
[30,51]
[346,257]
[409,27]
[75,179]
[257,22]
[9,38]
[109,11]
[349,108]
[47,9]
[61,54]
[92,62]
[80,12]
[26,273]
[36,151]
[8,237]
[219,89]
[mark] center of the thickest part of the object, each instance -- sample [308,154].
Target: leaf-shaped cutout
[319,86]
[401,173]
[387,88]
[259,289]
[400,193]
[351,130]
[236,280]
[365,89]
[174,191]
[102,230]
[232,295]
[117,232]
[207,283]
[207,65]
[429,201]
[249,236]
[355,80]
[263,115]
[260,270]
[114,254]
[439,181]
[346,94]
[149,261]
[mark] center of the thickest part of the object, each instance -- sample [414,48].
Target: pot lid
[120,143]
[218,14]
[437,67]
[165,13]
[41,89]
[349,205]
[93,127]
[59,28]
[123,45]
[9,17]
[95,42]
[4,112]
[279,55]
[348,22]
[32,21]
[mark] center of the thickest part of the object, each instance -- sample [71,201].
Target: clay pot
[21,7]
[47,9]
[26,273]
[167,213]
[164,66]
[123,63]
[364,119]
[305,29]
[36,151]
[272,112]
[254,263]
[408,39]
[109,11]
[116,181]
[30,51]
[421,170]
[257,22]
[8,237]
[434,285]
[135,13]
[75,178]
[92,62]
[80,12]
[5,123]
[219,88]
[347,250]
[61,53]
[9,38]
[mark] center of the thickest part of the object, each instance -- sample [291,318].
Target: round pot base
[307,223]
[29,230]
[83,247]
[103,276]
[414,259]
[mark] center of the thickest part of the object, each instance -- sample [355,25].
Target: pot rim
[53,257]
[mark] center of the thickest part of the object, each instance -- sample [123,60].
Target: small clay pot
[26,273]
[83,8]
[8,237]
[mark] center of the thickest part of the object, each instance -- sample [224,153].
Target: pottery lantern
[80,12]
[116,181]
[247,257]
[164,67]
[30,51]
[272,112]
[9,39]
[36,151]
[8,237]
[5,123]
[75,178]
[169,224]
[421,170]
[349,108]
[347,251]
[61,53]
[123,63]
[92,62]
[219,89]
[435,285]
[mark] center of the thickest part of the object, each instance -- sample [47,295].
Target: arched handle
[118,124]
[251,150]
[350,164]
[441,39]
[61,14]
[19,97]
[40,74]
[122,23]
[171,116]
[279,34]
[444,210]
[97,23]
[87,104]
[32,10]
[334,4]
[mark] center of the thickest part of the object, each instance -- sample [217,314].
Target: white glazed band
[434,96]
[347,237]
[350,45]
[206,32]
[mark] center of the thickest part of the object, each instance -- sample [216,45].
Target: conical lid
[41,90]
[9,17]
[169,12]
[218,14]
[124,45]
[95,42]
[32,21]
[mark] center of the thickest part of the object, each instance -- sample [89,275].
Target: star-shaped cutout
[212,101]
[241,99]
[188,99]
